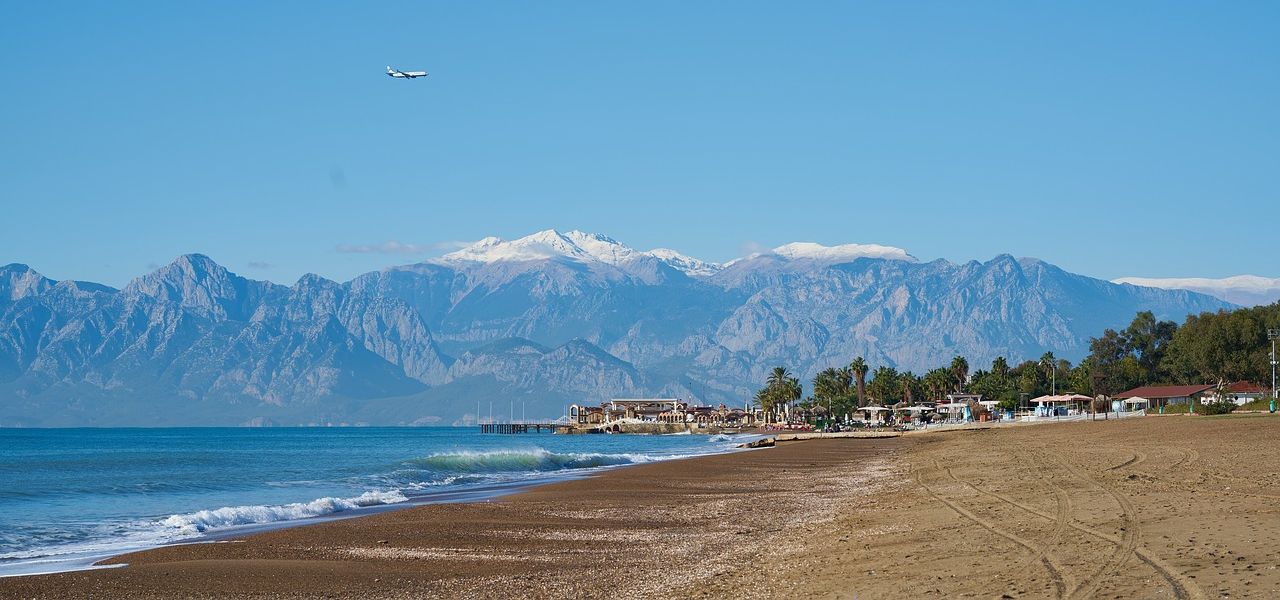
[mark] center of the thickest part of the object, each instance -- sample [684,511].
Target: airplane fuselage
[405,74]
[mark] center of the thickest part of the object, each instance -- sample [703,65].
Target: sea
[71,497]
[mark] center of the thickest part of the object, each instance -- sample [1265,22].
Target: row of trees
[841,390]
[1209,348]
[1225,346]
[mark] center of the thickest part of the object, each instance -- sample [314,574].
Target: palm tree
[885,385]
[960,372]
[1050,367]
[779,390]
[778,376]
[937,382]
[1000,367]
[859,369]
[831,385]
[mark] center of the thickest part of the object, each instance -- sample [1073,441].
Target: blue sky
[1110,138]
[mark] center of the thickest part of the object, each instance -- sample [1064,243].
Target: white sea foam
[232,516]
[520,461]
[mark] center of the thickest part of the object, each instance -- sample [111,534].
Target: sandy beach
[1155,507]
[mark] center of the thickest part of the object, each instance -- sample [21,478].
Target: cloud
[394,247]
[257,264]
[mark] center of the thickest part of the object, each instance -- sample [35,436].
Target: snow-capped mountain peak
[590,248]
[842,252]
[542,245]
[688,264]
[572,245]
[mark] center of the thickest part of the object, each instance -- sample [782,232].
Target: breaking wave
[515,461]
[231,516]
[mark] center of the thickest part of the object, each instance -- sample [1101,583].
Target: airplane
[404,74]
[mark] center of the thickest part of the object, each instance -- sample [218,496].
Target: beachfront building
[646,410]
[661,410]
[1166,395]
[1240,392]
[649,410]
[956,406]
[586,415]
[873,414]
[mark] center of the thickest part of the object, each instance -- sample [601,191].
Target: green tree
[1080,379]
[959,372]
[859,369]
[996,384]
[912,387]
[780,389]
[1148,340]
[1228,345]
[1049,366]
[1000,367]
[885,386]
[937,382]
[833,388]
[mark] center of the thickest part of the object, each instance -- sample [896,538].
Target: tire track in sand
[1055,572]
[1061,519]
[1182,586]
[1133,461]
[1127,545]
[1188,456]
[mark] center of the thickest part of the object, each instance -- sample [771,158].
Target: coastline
[485,473]
[706,514]
[1141,508]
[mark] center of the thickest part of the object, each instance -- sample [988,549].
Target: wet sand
[1158,507]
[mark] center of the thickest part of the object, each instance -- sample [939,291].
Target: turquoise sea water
[72,496]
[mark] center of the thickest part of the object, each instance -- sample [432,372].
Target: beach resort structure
[954,407]
[657,415]
[1061,404]
[1164,395]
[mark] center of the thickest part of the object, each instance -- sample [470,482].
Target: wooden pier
[549,426]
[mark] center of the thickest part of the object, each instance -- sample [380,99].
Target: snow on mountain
[596,248]
[1245,290]
[572,245]
[840,253]
[549,244]
[688,264]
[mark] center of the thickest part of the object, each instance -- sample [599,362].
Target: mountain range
[1245,290]
[521,327]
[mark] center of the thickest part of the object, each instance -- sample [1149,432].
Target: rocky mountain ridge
[546,320]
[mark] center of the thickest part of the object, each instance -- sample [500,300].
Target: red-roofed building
[1163,395]
[1243,392]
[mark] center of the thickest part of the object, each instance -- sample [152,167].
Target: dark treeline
[1209,348]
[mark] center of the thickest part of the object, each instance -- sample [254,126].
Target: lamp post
[1272,334]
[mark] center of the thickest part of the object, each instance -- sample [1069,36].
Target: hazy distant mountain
[1245,290]
[536,323]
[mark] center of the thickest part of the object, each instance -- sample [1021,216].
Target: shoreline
[703,510]
[1149,508]
[96,558]
[90,560]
